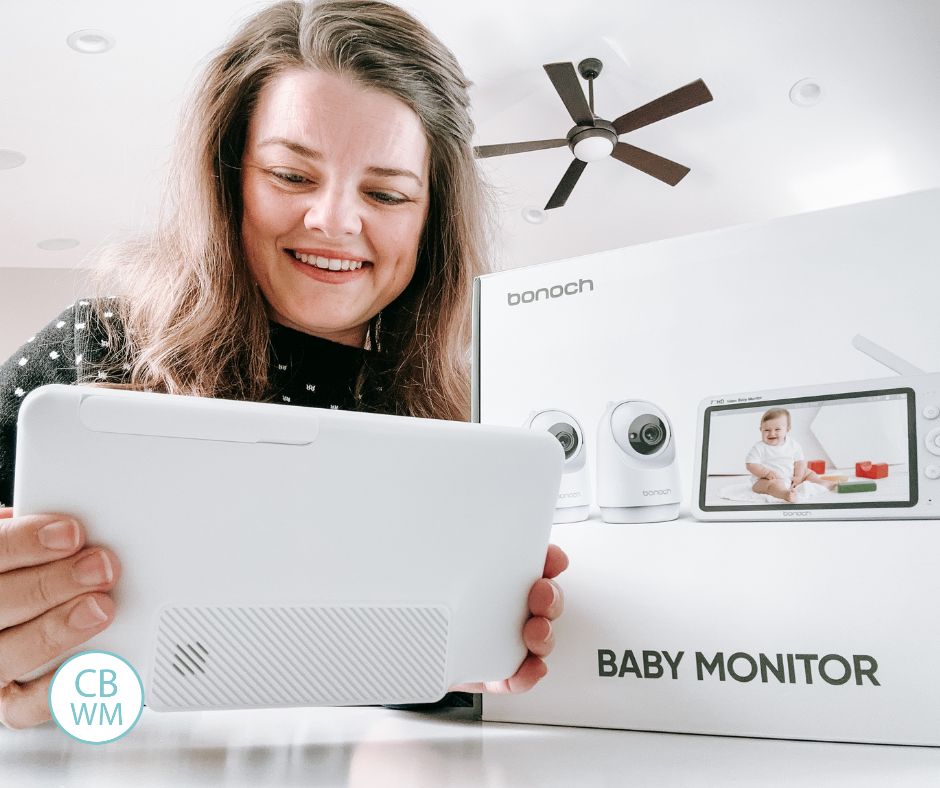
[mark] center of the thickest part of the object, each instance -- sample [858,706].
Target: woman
[322,229]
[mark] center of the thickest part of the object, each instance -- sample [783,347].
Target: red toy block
[818,466]
[871,470]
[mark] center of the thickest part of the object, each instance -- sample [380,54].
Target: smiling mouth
[328,263]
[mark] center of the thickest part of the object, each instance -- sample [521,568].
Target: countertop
[389,748]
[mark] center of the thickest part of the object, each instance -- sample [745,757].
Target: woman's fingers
[45,577]
[531,670]
[30,592]
[37,539]
[29,646]
[538,636]
[556,561]
[539,640]
[546,599]
[25,705]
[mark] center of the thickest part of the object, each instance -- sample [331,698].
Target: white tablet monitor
[276,555]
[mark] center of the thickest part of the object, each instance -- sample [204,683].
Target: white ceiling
[96,129]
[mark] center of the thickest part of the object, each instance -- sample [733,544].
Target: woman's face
[335,195]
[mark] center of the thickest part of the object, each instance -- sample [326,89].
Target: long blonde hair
[192,319]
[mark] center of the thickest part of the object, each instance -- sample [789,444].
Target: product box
[809,630]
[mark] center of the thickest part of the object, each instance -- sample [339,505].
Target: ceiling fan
[592,138]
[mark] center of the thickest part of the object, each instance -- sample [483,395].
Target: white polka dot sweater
[302,370]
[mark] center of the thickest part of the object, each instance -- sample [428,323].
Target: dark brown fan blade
[566,82]
[486,151]
[667,171]
[568,180]
[679,100]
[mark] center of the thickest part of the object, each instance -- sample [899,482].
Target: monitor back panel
[275,555]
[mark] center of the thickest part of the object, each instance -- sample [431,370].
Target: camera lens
[567,436]
[652,434]
[647,434]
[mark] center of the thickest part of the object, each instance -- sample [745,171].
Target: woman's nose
[334,212]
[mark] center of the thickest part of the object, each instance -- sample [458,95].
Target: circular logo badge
[96,697]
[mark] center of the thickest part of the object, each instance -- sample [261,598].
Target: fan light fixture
[593,147]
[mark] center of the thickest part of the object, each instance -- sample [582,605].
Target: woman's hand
[546,603]
[52,598]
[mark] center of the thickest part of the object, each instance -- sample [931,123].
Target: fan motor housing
[590,143]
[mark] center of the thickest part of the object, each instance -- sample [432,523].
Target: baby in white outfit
[776,462]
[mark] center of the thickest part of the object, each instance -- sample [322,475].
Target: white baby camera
[574,493]
[637,474]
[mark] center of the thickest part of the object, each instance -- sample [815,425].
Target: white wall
[31,297]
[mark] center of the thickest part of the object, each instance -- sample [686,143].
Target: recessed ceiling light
[806,93]
[10,159]
[58,244]
[533,215]
[90,42]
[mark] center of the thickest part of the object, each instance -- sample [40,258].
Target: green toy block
[850,487]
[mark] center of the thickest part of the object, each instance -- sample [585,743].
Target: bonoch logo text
[554,291]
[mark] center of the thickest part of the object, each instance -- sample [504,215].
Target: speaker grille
[238,657]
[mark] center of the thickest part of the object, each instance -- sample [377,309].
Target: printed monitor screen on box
[840,451]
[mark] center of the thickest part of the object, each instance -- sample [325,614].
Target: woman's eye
[388,198]
[289,177]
